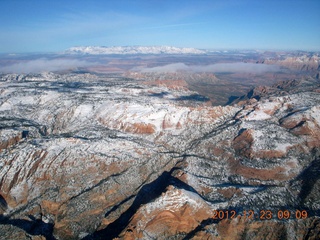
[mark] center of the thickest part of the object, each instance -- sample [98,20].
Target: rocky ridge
[301,62]
[86,156]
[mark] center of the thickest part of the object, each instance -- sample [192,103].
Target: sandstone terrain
[129,156]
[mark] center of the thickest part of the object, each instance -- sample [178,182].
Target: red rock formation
[305,123]
[109,161]
[9,139]
[175,211]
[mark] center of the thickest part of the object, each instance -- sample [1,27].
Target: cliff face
[100,157]
[301,63]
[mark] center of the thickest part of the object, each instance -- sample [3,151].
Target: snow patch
[173,200]
[258,115]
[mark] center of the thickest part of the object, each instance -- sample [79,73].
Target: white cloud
[218,67]
[166,68]
[42,65]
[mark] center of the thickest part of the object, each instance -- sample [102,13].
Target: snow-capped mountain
[133,50]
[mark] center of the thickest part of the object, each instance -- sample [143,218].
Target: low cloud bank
[44,65]
[218,67]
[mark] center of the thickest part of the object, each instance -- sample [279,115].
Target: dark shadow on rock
[251,94]
[313,230]
[193,97]
[33,226]
[309,178]
[159,95]
[201,226]
[3,203]
[25,133]
[146,194]
[232,99]
[114,208]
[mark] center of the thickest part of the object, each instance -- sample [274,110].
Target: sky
[54,26]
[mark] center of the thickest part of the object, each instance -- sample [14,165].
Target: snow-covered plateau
[85,156]
[133,50]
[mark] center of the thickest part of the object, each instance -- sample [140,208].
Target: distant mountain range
[133,50]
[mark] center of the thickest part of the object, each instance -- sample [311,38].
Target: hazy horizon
[212,49]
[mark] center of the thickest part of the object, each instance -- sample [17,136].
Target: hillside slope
[86,156]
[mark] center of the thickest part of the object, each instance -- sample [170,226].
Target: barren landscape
[170,144]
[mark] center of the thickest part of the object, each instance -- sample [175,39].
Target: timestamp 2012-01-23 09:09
[263,214]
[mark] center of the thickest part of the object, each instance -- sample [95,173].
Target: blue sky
[50,26]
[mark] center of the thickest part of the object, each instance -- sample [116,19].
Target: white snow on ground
[6,134]
[83,111]
[49,96]
[282,147]
[173,200]
[116,115]
[258,115]
[315,114]
[263,109]
[132,113]
[266,140]
[18,190]
[24,100]
[5,106]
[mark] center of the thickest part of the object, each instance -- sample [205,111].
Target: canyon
[149,155]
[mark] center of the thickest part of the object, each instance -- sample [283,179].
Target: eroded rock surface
[86,156]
